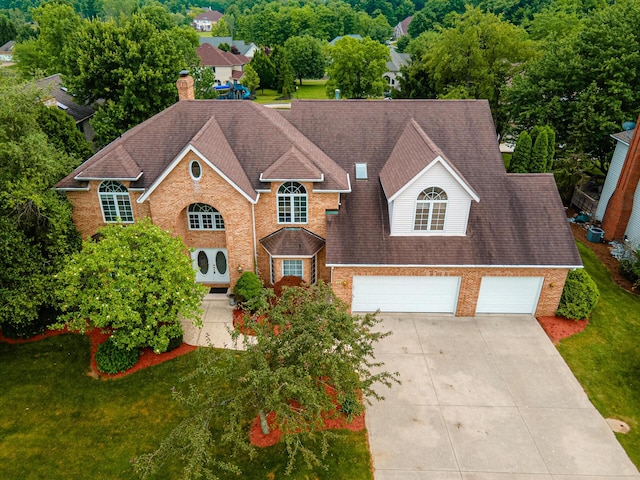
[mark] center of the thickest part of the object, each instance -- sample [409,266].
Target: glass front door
[211,265]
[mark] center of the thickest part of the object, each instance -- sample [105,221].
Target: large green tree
[57,23]
[132,66]
[265,69]
[308,355]
[305,56]
[36,231]
[8,30]
[135,282]
[475,58]
[585,83]
[356,68]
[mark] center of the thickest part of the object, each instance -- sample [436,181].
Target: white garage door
[509,294]
[405,294]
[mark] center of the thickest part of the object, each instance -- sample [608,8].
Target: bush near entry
[579,296]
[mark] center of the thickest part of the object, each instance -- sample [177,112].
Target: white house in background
[6,51]
[619,205]
[396,61]
[206,20]
[402,28]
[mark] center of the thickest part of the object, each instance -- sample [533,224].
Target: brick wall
[554,279]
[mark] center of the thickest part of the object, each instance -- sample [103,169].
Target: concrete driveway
[485,398]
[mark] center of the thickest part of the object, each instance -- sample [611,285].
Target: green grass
[58,423]
[606,357]
[310,89]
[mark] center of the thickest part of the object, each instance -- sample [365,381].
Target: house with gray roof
[402,206]
[56,95]
[396,61]
[248,50]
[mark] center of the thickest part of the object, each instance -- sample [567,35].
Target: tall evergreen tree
[521,154]
[540,152]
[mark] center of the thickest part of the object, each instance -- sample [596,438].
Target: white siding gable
[610,183]
[633,227]
[402,207]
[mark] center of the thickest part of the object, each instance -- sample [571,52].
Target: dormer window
[431,209]
[292,203]
[115,202]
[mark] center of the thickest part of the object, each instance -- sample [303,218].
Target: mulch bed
[147,357]
[558,328]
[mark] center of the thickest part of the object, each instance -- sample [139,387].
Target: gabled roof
[119,162]
[216,131]
[211,15]
[292,242]
[625,136]
[340,37]
[293,165]
[502,227]
[7,47]
[242,47]
[211,56]
[53,86]
[397,60]
[412,155]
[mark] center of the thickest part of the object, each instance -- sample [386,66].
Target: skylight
[361,171]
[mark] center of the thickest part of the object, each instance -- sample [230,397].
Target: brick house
[619,205]
[401,205]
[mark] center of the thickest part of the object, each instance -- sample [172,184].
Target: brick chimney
[185,86]
[616,216]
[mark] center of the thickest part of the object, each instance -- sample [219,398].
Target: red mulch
[333,420]
[558,328]
[147,357]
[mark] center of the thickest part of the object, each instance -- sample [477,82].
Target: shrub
[630,269]
[174,343]
[29,329]
[248,287]
[287,281]
[579,296]
[112,358]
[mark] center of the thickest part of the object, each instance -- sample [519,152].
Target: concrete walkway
[485,398]
[216,319]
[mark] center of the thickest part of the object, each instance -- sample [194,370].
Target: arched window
[431,208]
[115,202]
[292,203]
[204,217]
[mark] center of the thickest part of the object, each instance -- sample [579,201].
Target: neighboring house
[403,206]
[6,51]
[340,37]
[619,205]
[402,28]
[206,20]
[243,49]
[397,61]
[57,95]
[227,66]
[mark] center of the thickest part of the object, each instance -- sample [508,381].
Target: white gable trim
[321,179]
[177,160]
[451,171]
[119,179]
[370,265]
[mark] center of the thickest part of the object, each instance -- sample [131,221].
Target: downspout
[255,240]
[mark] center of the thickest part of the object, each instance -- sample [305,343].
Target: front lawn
[605,358]
[58,423]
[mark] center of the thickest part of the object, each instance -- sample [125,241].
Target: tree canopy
[36,231]
[308,352]
[306,57]
[135,282]
[356,68]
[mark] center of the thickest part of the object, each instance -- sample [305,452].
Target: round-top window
[195,169]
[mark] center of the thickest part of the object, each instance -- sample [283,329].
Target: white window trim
[191,169]
[431,203]
[199,216]
[291,198]
[293,260]
[113,196]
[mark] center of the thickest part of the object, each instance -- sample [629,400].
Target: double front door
[211,265]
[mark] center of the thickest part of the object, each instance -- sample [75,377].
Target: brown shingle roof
[52,85]
[518,221]
[211,15]
[119,162]
[211,56]
[293,165]
[294,242]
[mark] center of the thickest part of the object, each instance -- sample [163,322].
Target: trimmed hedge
[114,359]
[248,287]
[174,343]
[579,296]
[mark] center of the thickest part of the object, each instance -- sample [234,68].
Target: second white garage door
[509,294]
[405,294]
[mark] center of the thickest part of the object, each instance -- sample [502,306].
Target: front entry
[211,265]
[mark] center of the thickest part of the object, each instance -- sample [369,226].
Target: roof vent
[361,171]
